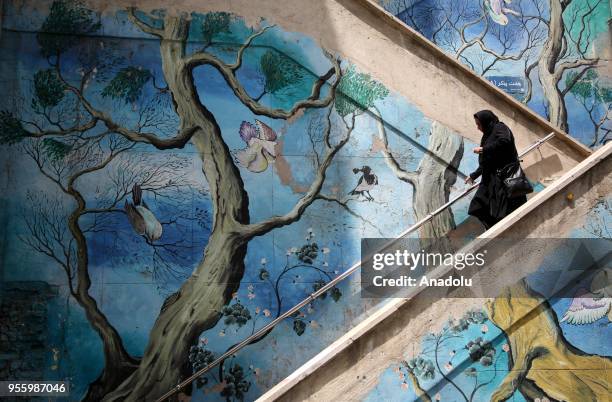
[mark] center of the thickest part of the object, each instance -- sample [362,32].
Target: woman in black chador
[496,150]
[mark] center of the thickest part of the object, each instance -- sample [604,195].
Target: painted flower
[289,252]
[204,341]
[484,328]
[448,366]
[336,272]
[256,371]
[325,250]
[404,386]
[293,250]
[257,310]
[325,264]
[310,231]
[234,295]
[452,353]
[263,261]
[251,296]
[314,324]
[545,399]
[506,347]
[267,312]
[222,332]
[250,288]
[309,310]
[438,397]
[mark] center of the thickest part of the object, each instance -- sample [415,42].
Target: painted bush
[550,55]
[182,190]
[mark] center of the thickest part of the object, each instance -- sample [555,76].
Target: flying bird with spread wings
[498,11]
[141,218]
[260,151]
[588,306]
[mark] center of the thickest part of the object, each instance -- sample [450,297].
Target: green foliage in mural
[214,24]
[589,87]
[11,129]
[481,351]
[279,71]
[236,384]
[357,91]
[299,327]
[127,84]
[470,317]
[421,367]
[236,314]
[55,149]
[66,20]
[308,253]
[48,89]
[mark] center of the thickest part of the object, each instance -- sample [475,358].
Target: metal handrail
[330,284]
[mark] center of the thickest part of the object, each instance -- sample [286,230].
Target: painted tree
[432,180]
[567,47]
[536,344]
[199,303]
[596,99]
[555,40]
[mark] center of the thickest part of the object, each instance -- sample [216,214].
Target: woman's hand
[478,150]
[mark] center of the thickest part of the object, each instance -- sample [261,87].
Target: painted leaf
[11,129]
[65,22]
[55,149]
[48,89]
[357,91]
[299,327]
[127,84]
[279,71]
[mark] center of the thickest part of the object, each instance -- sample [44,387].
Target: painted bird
[260,150]
[498,12]
[141,218]
[366,182]
[591,305]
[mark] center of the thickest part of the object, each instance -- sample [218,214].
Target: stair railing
[269,326]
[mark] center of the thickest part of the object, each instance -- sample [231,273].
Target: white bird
[260,150]
[498,12]
[590,306]
[141,218]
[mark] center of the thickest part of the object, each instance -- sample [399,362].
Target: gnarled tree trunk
[197,305]
[539,349]
[431,182]
[547,66]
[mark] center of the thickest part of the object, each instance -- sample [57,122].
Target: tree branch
[228,73]
[246,44]
[400,173]
[261,228]
[344,205]
[143,26]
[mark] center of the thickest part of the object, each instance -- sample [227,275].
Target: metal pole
[329,285]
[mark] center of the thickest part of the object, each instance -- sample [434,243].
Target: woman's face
[478,124]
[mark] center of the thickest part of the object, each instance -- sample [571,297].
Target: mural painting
[182,188]
[551,55]
[513,346]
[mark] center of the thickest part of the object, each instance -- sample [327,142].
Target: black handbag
[514,181]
